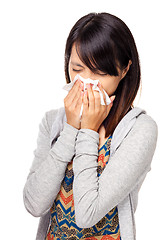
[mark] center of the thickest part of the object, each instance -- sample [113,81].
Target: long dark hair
[104,42]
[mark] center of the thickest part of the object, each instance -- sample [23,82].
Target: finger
[109,106]
[85,102]
[80,100]
[112,98]
[77,101]
[103,94]
[91,98]
[74,93]
[97,100]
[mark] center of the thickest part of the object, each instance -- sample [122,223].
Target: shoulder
[140,141]
[146,125]
[136,128]
[144,134]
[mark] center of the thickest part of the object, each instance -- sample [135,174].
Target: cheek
[110,85]
[72,75]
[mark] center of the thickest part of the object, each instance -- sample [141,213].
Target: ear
[124,72]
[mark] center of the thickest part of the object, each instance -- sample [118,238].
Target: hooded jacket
[132,147]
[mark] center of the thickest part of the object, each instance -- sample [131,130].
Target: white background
[32,43]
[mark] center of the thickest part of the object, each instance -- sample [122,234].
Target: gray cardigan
[132,148]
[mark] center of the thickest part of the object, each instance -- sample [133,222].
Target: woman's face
[76,66]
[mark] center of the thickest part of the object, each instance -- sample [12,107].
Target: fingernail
[112,98]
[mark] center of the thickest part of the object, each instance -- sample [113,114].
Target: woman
[86,173]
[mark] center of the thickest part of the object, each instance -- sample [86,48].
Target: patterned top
[63,224]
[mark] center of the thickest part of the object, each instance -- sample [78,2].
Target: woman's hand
[72,103]
[93,112]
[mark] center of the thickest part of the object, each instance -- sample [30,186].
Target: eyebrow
[76,64]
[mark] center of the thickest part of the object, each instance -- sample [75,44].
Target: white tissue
[68,86]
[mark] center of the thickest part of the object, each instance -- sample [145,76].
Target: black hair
[105,43]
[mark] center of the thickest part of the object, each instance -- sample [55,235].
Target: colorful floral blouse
[63,225]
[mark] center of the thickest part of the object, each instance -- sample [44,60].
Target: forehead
[74,54]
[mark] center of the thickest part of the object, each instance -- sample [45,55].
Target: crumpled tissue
[68,86]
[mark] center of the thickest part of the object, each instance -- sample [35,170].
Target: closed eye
[76,70]
[102,74]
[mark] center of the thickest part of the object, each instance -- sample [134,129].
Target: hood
[58,124]
[124,127]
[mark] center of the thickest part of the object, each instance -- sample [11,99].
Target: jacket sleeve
[48,168]
[95,196]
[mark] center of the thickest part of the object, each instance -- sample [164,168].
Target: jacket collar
[124,127]
[58,124]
